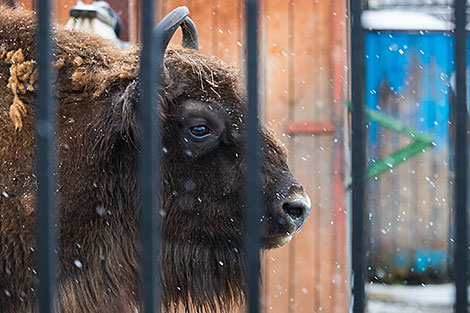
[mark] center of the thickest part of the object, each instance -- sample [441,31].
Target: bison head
[203,104]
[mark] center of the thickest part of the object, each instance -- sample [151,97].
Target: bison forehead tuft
[202,77]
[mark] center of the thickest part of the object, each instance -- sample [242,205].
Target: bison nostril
[293,210]
[297,210]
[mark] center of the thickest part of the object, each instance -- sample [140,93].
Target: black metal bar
[46,166]
[149,164]
[461,159]
[253,199]
[358,157]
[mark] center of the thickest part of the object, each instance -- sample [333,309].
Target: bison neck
[202,275]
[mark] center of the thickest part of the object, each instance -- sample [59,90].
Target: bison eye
[200,131]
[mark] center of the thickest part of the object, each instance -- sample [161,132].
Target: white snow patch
[430,296]
[402,20]
[78,264]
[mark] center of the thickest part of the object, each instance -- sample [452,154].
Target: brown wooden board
[225,32]
[277,262]
[307,290]
[202,12]
[276,65]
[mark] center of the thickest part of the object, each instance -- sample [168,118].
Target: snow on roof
[402,20]
[377,4]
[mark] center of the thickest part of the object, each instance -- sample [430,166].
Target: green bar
[399,156]
[420,144]
[398,126]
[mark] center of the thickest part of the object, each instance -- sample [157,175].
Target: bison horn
[169,24]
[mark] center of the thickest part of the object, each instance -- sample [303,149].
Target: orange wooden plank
[242,30]
[324,111]
[276,65]
[226,31]
[301,54]
[340,234]
[275,17]
[62,8]
[328,278]
[276,280]
[133,21]
[305,294]
[201,11]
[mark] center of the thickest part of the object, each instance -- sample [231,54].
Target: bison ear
[167,27]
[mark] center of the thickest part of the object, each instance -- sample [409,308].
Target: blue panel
[417,68]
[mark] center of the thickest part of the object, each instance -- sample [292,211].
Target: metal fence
[460,125]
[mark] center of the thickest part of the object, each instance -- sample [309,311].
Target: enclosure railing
[460,207]
[46,166]
[253,201]
[150,162]
[461,159]
[357,157]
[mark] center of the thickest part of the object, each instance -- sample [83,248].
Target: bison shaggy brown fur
[97,87]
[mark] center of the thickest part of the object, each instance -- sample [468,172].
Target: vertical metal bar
[149,164]
[253,201]
[46,166]
[357,156]
[461,159]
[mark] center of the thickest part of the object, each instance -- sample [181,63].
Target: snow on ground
[385,307]
[410,299]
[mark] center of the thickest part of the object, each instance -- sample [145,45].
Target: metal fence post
[253,202]
[149,164]
[357,157]
[46,166]
[461,159]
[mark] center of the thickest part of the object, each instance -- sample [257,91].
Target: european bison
[202,103]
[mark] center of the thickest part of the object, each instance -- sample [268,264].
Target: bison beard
[202,105]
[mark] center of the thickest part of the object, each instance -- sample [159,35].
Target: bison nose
[297,209]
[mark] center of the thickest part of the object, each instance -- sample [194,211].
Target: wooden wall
[303,57]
